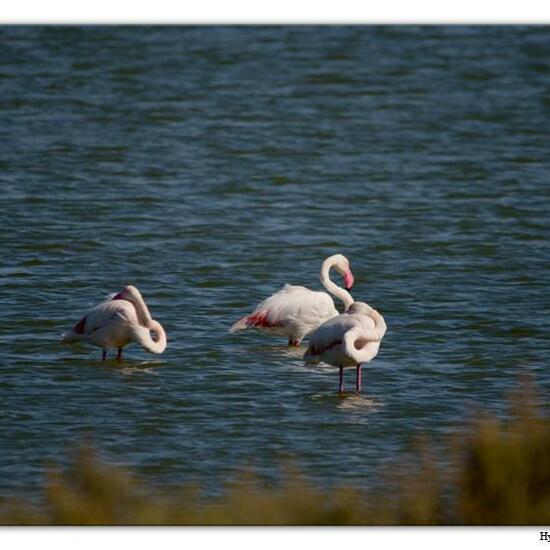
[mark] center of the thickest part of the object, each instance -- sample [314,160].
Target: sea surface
[211,165]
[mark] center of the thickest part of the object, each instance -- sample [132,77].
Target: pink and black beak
[348,280]
[118,296]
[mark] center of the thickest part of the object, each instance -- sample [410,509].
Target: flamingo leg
[119,354]
[358,380]
[341,387]
[104,355]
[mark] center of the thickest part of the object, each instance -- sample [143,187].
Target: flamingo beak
[348,280]
[118,296]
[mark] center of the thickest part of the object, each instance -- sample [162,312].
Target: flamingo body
[348,340]
[117,321]
[295,311]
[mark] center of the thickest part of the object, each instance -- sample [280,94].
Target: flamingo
[117,321]
[295,311]
[348,340]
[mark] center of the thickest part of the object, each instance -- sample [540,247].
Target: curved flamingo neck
[142,310]
[332,287]
[368,349]
[379,330]
[362,343]
[143,337]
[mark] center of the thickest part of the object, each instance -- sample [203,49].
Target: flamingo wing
[105,324]
[329,335]
[108,315]
[291,304]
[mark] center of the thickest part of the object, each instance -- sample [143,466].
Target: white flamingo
[295,311]
[348,340]
[117,321]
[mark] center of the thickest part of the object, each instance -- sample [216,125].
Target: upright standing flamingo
[117,321]
[348,340]
[295,311]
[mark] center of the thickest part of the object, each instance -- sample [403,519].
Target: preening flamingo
[295,311]
[348,340]
[120,319]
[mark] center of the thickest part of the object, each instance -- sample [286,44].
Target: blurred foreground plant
[499,474]
[504,470]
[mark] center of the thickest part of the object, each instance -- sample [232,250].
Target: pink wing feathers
[291,304]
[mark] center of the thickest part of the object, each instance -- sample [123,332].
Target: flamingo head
[359,307]
[130,293]
[348,280]
[341,263]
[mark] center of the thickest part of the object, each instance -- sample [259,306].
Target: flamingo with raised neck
[295,311]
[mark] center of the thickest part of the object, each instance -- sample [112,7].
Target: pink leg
[341,388]
[358,380]
[119,354]
[104,355]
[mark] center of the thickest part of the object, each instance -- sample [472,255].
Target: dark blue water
[209,166]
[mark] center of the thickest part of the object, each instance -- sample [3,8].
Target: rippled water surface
[209,166]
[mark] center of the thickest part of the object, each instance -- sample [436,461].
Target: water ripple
[211,165]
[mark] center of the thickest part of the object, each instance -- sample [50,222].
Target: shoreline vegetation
[497,473]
